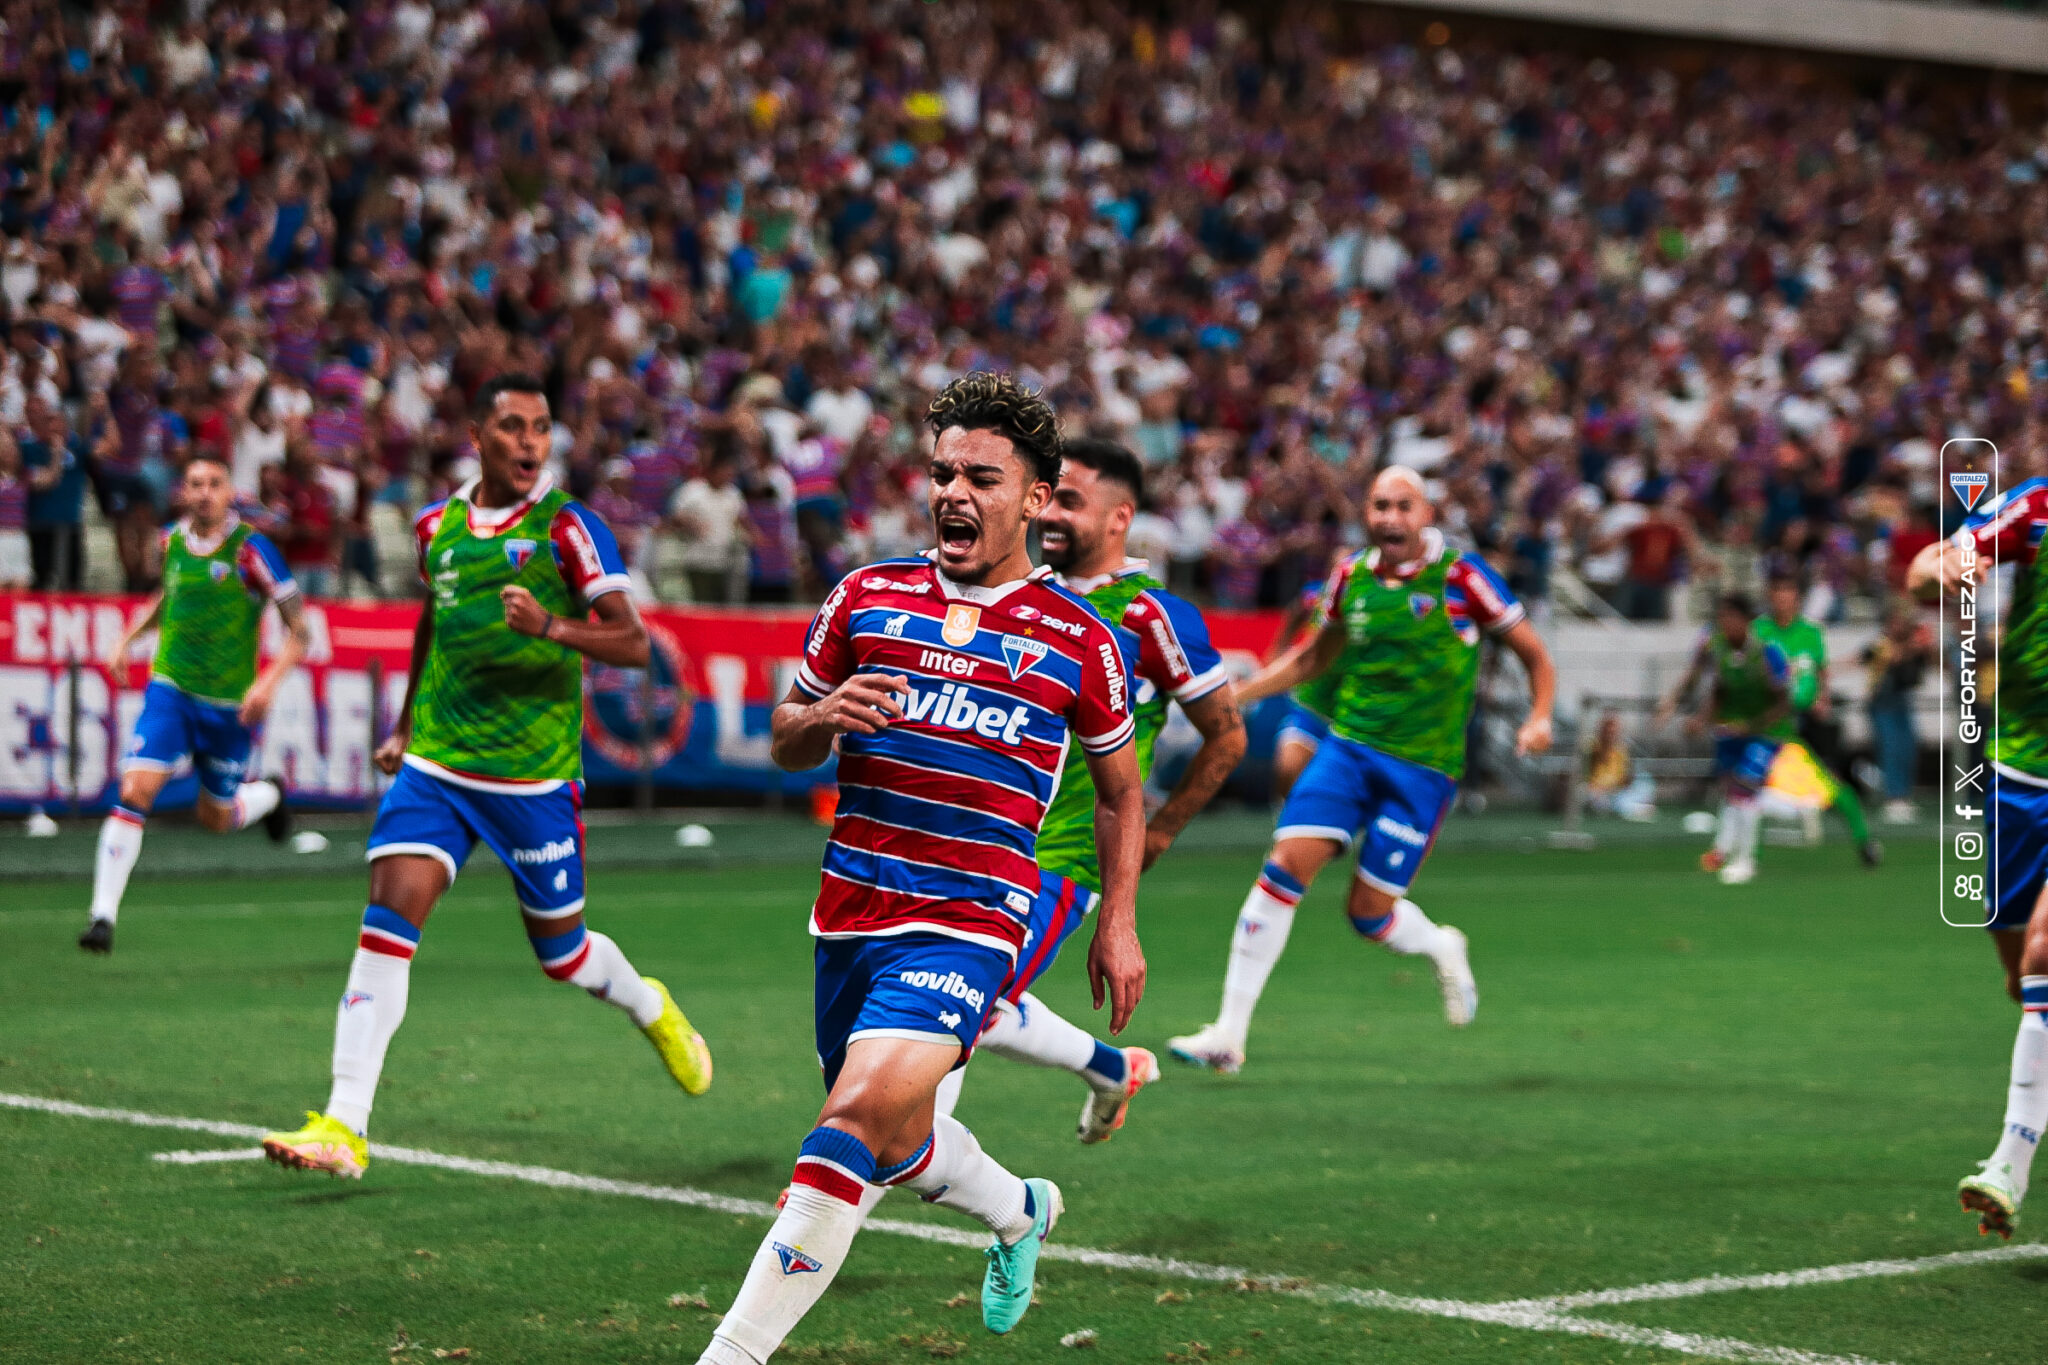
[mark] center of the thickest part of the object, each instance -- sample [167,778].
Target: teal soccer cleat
[1006,1288]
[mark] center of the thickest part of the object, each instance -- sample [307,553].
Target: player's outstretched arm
[1221,724]
[617,637]
[117,657]
[802,728]
[1534,735]
[256,701]
[1696,670]
[1116,963]
[1306,660]
[391,752]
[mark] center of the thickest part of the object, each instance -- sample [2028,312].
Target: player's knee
[1301,859]
[138,791]
[216,816]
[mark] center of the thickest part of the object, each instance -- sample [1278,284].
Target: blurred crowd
[1648,329]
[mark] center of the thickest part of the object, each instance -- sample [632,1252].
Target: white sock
[1034,1034]
[790,1272]
[1411,932]
[2026,1100]
[606,974]
[1746,816]
[372,1007]
[1260,937]
[968,1180]
[120,846]
[253,801]
[1727,834]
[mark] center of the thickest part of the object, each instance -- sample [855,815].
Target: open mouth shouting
[959,534]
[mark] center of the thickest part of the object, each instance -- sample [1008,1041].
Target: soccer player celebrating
[205,696]
[1082,534]
[2008,530]
[1403,620]
[952,687]
[1806,656]
[489,747]
[1749,708]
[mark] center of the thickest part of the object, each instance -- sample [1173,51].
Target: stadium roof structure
[1922,30]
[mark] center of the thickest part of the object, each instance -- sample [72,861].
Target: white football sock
[606,974]
[372,1007]
[2026,1100]
[1411,931]
[120,846]
[1255,945]
[253,801]
[1727,834]
[1747,815]
[968,1180]
[791,1270]
[1034,1034]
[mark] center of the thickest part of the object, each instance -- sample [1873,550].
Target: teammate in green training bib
[205,697]
[1748,706]
[1170,659]
[1806,656]
[2012,788]
[489,748]
[1400,629]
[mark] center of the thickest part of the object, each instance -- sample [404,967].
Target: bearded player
[205,696]
[2009,530]
[1403,619]
[953,706]
[489,748]
[1082,536]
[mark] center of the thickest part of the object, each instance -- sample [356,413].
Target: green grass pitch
[1667,1079]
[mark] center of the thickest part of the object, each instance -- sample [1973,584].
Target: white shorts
[16,570]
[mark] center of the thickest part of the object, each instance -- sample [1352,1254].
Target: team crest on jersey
[1023,655]
[517,552]
[220,569]
[795,1262]
[1969,486]
[962,621]
[1421,603]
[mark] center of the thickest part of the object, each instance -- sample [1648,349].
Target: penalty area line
[1536,1315]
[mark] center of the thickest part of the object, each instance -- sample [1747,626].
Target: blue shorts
[1301,726]
[1745,758]
[2016,827]
[922,986]
[1394,806]
[1061,906]
[175,726]
[539,837]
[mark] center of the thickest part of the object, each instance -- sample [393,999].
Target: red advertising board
[697,720]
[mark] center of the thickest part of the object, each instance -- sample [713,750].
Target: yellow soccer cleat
[681,1047]
[324,1144]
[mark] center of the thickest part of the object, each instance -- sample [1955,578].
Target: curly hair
[987,401]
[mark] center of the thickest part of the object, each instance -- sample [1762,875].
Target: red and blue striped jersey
[937,827]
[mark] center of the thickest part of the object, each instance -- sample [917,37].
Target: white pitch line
[1536,1315]
[1786,1279]
[208,1158]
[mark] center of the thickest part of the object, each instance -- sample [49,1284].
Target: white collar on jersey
[967,592]
[207,547]
[492,518]
[1084,586]
[1432,550]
